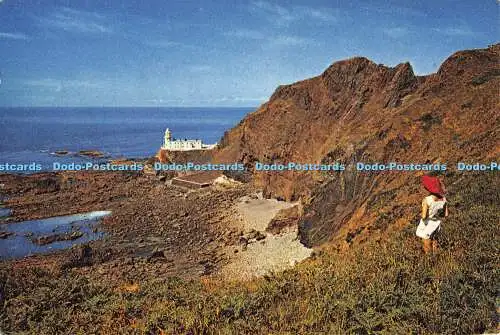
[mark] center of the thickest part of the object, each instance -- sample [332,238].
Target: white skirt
[427,227]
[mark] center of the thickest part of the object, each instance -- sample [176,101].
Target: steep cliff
[357,110]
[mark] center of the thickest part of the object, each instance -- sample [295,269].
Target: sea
[33,135]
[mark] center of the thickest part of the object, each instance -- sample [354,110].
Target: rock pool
[19,237]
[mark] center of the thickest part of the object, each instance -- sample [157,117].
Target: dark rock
[5,234]
[91,153]
[260,236]
[243,240]
[75,235]
[252,234]
[81,255]
[47,239]
[158,253]
[84,252]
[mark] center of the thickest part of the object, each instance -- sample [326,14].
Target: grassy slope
[385,287]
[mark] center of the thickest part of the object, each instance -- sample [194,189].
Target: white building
[182,145]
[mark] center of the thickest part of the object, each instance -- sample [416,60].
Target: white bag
[427,227]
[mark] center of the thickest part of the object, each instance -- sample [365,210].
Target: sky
[216,52]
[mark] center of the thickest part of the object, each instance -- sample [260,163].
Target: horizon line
[256,106]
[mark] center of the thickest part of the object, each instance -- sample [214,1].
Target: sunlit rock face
[357,110]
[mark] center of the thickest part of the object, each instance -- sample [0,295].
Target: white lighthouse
[173,144]
[167,138]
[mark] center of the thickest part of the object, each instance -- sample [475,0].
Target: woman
[434,208]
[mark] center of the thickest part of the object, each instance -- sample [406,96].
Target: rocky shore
[156,229]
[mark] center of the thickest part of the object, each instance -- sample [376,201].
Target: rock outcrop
[357,110]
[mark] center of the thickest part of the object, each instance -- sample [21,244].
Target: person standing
[434,208]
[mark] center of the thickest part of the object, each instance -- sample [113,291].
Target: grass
[386,287]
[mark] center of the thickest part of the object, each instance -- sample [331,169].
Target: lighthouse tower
[167,139]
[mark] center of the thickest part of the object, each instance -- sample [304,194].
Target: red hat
[433,185]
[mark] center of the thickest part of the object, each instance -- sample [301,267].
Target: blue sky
[215,52]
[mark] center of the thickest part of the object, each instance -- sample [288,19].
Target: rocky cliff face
[361,111]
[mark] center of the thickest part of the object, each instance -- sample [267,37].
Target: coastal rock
[91,153]
[360,111]
[243,240]
[5,234]
[80,256]
[48,239]
[260,236]
[158,253]
[252,235]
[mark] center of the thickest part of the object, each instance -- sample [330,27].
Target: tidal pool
[22,234]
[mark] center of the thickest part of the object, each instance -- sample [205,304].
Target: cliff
[357,110]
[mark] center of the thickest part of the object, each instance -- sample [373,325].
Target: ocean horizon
[34,134]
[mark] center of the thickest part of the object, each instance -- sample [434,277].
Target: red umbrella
[433,185]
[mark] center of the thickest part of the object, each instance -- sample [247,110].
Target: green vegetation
[429,120]
[485,77]
[386,287]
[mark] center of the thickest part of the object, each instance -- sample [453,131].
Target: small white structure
[183,145]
